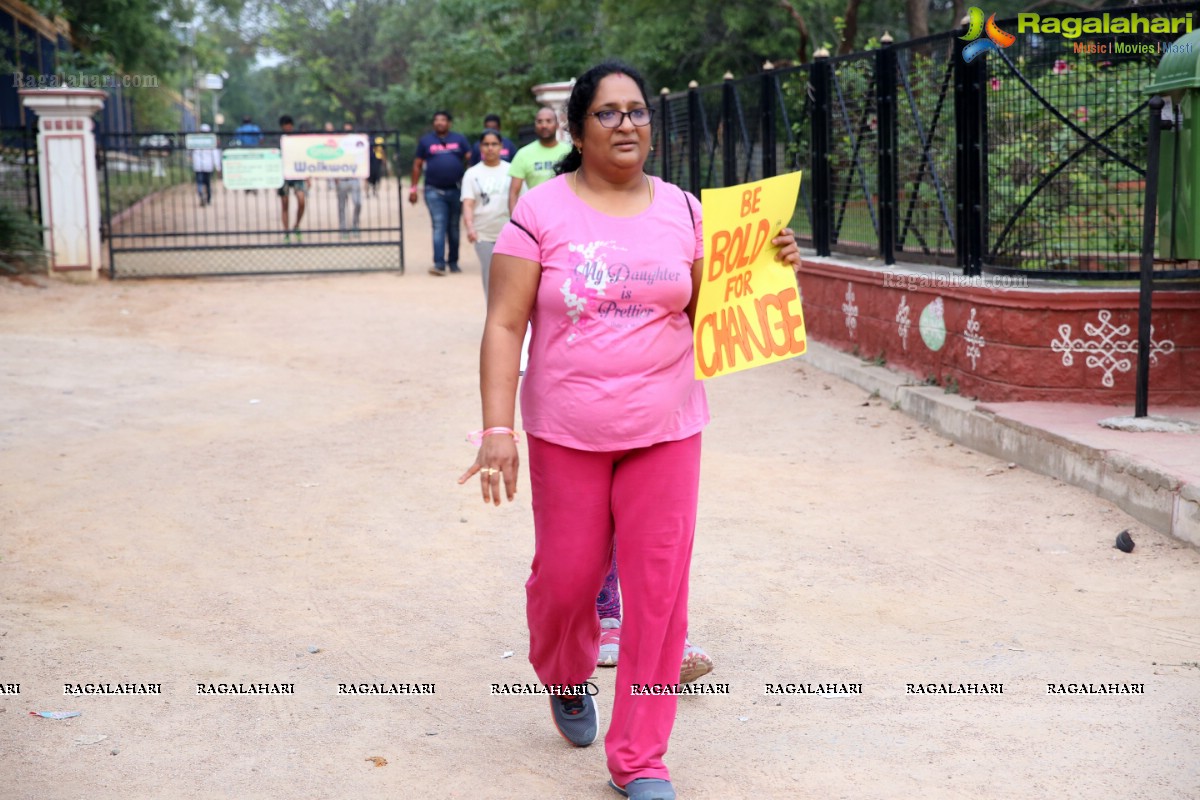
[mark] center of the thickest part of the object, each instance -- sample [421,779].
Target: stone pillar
[555,96]
[67,177]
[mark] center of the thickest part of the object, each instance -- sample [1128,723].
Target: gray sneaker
[575,717]
[646,789]
[610,642]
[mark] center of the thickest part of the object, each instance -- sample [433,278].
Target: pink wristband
[476,437]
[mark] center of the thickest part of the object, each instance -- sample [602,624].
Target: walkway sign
[325,155]
[251,168]
[749,312]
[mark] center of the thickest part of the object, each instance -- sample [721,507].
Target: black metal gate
[19,171]
[160,222]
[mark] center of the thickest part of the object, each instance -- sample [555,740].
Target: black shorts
[295,186]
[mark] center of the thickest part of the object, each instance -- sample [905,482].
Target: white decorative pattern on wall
[903,322]
[850,310]
[974,339]
[1108,350]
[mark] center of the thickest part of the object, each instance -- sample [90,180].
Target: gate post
[694,143]
[970,125]
[728,142]
[766,105]
[885,111]
[664,111]
[821,80]
[67,185]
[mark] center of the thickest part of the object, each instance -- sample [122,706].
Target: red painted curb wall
[1065,344]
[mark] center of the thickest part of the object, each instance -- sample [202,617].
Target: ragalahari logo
[996,38]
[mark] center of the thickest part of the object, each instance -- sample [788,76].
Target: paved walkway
[1152,475]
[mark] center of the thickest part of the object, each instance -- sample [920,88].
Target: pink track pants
[643,501]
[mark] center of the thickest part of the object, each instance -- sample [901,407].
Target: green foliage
[482,56]
[136,34]
[126,188]
[737,36]
[1091,205]
[20,241]
[924,165]
[340,58]
[13,43]
[383,63]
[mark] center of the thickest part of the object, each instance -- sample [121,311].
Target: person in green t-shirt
[534,163]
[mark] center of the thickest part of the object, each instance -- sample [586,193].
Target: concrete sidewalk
[1152,476]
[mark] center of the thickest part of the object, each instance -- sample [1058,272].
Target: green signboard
[252,168]
[200,141]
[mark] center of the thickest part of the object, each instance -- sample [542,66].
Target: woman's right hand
[497,458]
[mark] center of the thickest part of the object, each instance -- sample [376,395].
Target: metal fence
[1030,159]
[157,224]
[19,171]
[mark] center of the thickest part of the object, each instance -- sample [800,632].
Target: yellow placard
[748,313]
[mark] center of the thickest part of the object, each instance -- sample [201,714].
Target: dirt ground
[207,481]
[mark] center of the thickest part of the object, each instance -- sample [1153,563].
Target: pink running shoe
[610,642]
[696,663]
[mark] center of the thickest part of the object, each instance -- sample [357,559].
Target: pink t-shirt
[610,358]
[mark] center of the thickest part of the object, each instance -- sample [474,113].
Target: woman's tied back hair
[581,98]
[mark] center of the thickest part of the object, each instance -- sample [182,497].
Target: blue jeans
[444,208]
[204,186]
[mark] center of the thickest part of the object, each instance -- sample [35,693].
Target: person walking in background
[248,134]
[205,161]
[378,166]
[612,413]
[534,163]
[348,190]
[485,200]
[297,187]
[443,154]
[507,149]
[696,662]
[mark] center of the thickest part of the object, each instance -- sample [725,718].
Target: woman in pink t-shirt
[605,262]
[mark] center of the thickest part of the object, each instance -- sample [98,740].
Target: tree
[484,56]
[132,34]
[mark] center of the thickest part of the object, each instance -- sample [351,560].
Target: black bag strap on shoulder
[691,213]
[522,227]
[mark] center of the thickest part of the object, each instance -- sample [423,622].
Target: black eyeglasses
[608,118]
